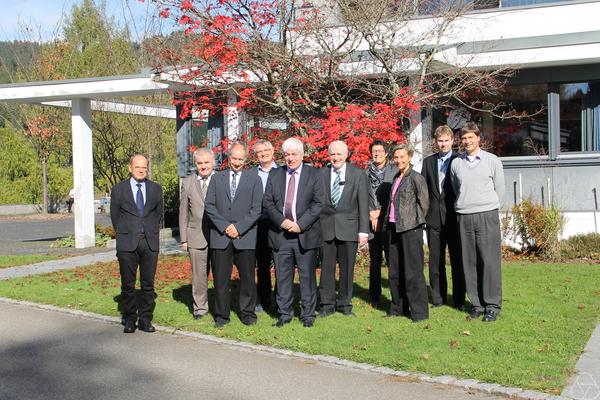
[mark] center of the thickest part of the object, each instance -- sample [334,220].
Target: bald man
[136,208]
[345,226]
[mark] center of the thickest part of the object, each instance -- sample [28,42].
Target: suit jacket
[126,220]
[352,213]
[194,228]
[441,204]
[309,203]
[242,212]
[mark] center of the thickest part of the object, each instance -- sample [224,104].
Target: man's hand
[184,246]
[232,232]
[294,228]
[362,240]
[286,224]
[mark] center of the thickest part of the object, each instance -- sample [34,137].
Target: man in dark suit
[295,230]
[233,205]
[136,208]
[264,152]
[442,228]
[345,226]
[194,228]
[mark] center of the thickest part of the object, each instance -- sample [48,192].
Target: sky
[42,17]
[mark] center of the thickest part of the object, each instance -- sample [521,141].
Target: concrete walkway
[584,385]
[52,355]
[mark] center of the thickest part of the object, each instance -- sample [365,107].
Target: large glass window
[580,116]
[525,136]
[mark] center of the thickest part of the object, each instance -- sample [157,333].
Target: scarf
[376,175]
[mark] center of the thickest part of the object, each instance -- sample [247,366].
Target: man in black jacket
[136,208]
[442,229]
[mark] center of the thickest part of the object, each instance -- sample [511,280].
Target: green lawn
[549,313]
[14,260]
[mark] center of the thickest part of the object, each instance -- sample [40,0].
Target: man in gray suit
[194,228]
[233,205]
[345,226]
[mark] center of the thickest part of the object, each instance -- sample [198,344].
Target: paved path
[50,355]
[35,234]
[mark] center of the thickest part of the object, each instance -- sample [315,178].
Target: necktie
[233,185]
[289,197]
[335,189]
[139,200]
[442,174]
[203,187]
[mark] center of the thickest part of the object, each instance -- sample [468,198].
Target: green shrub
[582,246]
[103,235]
[538,229]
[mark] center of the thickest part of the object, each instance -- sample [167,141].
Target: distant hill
[13,54]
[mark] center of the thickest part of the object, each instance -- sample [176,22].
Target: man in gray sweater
[478,181]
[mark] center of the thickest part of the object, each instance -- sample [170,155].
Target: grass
[14,260]
[549,313]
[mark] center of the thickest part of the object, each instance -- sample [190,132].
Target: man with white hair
[194,228]
[295,231]
[345,226]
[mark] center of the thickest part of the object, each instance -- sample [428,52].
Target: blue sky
[44,16]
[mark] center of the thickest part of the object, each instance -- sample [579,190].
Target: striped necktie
[336,190]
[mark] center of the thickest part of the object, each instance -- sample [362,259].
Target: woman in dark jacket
[404,220]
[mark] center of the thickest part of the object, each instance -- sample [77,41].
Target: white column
[232,118]
[83,175]
[415,138]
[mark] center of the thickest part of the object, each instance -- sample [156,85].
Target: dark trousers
[222,263]
[438,240]
[481,257]
[129,261]
[377,247]
[407,281]
[263,264]
[344,253]
[286,257]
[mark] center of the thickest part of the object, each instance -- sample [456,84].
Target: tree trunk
[44,187]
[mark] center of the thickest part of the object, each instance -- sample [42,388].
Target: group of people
[295,213]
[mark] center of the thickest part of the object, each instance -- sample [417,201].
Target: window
[518,137]
[580,116]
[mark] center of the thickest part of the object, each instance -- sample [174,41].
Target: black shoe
[489,316]
[348,313]
[325,313]
[198,316]
[249,322]
[436,305]
[219,323]
[129,326]
[281,322]
[474,314]
[374,304]
[308,323]
[146,327]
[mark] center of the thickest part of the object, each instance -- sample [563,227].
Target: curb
[466,384]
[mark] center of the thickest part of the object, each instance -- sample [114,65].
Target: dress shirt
[473,161]
[134,188]
[288,173]
[198,177]
[442,163]
[264,175]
